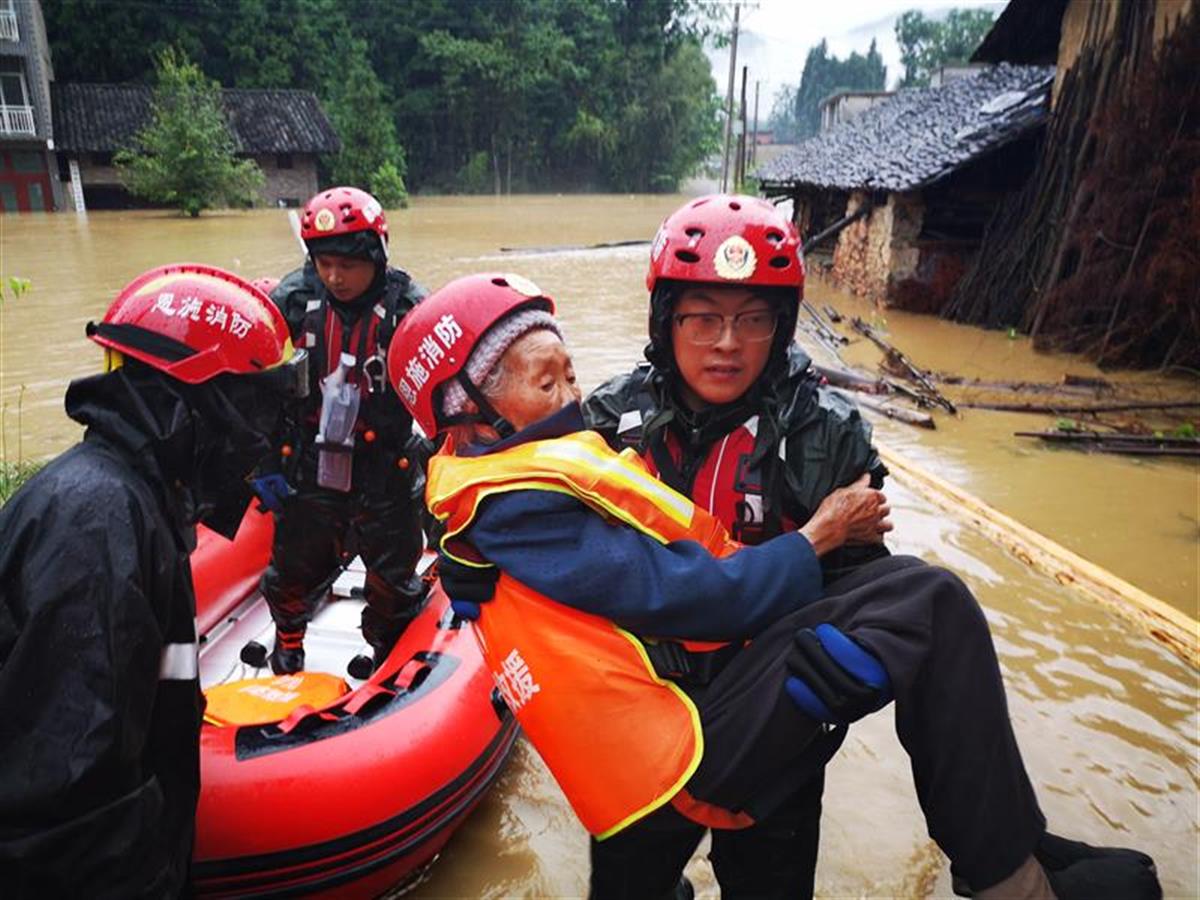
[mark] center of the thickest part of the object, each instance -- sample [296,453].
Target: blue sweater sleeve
[558,547]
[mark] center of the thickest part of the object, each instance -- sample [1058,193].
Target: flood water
[1108,719]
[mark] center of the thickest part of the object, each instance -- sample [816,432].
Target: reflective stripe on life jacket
[620,740]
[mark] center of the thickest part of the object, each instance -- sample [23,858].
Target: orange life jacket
[620,740]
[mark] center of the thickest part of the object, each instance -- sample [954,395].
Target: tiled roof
[919,135]
[104,117]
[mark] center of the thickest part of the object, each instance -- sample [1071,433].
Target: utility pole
[729,99]
[754,143]
[740,169]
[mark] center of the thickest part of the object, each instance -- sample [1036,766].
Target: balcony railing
[8,25]
[17,120]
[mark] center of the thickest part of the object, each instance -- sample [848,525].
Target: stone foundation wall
[879,251]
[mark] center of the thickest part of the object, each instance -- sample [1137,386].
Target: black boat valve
[254,654]
[361,667]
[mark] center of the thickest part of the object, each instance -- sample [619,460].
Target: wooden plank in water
[1170,627]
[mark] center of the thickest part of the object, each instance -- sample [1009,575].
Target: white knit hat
[491,348]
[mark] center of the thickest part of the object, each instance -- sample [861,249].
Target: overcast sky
[775,37]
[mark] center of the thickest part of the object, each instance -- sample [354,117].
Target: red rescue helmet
[728,238]
[348,216]
[725,239]
[435,340]
[195,322]
[266,284]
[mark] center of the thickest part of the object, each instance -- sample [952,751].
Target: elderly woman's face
[539,381]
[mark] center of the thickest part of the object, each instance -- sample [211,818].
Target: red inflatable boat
[319,783]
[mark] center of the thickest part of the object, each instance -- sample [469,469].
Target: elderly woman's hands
[855,514]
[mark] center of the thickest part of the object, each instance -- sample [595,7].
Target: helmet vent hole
[694,232]
[735,206]
[780,262]
[499,282]
[774,237]
[687,256]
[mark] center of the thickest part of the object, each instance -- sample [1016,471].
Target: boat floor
[334,635]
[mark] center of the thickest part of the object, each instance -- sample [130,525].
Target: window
[284,161]
[12,83]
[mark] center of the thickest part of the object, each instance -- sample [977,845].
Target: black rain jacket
[828,443]
[100,706]
[303,299]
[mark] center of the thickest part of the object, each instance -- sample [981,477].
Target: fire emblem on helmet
[324,220]
[735,258]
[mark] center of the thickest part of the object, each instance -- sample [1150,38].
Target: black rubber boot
[1078,871]
[288,654]
[380,652]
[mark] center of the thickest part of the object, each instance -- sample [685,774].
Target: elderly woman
[600,567]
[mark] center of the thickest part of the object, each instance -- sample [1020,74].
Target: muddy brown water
[1108,720]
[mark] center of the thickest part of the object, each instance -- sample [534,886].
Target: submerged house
[1099,251]
[901,193]
[282,130]
[27,182]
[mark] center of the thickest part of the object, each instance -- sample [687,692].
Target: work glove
[272,491]
[833,678]
[467,586]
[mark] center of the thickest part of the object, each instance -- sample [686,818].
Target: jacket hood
[195,444]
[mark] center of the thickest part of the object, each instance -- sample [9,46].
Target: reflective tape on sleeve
[178,663]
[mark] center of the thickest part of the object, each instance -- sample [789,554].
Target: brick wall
[288,187]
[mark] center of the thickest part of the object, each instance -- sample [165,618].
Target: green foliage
[13,475]
[16,287]
[387,184]
[796,111]
[476,176]
[927,44]
[185,156]
[1186,430]
[1068,425]
[362,116]
[555,94]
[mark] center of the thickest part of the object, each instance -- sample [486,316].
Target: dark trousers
[319,531]
[774,859]
[951,717]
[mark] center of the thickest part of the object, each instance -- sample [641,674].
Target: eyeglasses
[754,326]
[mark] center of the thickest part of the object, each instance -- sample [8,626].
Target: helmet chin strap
[487,413]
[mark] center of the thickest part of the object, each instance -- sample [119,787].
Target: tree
[927,44]
[371,157]
[512,95]
[185,155]
[782,120]
[824,75]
